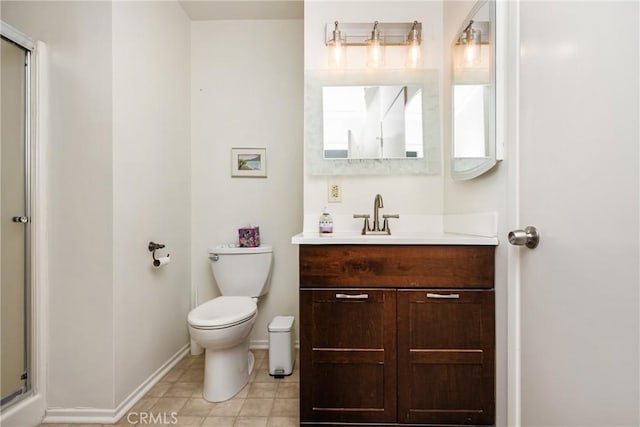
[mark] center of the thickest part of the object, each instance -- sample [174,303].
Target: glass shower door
[14,222]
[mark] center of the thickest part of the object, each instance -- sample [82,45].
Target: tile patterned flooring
[265,401]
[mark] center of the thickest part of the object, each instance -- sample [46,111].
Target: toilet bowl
[222,325]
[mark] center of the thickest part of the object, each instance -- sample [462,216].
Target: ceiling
[205,10]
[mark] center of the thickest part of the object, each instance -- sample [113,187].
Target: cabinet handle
[441,296]
[359,296]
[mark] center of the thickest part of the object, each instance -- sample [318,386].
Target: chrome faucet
[376,229]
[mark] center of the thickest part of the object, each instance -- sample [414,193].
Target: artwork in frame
[249,162]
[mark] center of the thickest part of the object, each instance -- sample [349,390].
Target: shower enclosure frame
[13,36]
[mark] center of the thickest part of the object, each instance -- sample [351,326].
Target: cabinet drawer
[348,355]
[446,356]
[395,266]
[348,318]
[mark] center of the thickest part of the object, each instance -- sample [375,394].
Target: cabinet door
[348,355]
[446,356]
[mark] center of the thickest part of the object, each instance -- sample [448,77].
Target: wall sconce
[374,39]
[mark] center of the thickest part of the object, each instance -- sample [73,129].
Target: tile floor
[265,401]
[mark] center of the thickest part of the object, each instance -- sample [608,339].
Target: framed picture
[249,162]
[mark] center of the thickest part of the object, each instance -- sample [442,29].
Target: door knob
[528,237]
[21,219]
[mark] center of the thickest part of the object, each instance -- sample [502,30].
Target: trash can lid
[281,324]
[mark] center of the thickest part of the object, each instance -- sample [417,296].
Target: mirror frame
[429,164]
[465,168]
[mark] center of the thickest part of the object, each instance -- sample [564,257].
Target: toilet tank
[241,271]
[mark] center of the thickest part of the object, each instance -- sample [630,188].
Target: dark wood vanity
[397,334]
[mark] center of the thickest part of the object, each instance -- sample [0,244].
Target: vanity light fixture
[337,48]
[375,40]
[375,48]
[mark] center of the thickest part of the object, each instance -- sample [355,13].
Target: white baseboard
[259,344]
[111,416]
[79,416]
[264,344]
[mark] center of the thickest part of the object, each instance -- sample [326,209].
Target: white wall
[403,194]
[80,335]
[151,191]
[247,93]
[118,177]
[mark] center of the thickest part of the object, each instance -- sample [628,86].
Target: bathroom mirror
[372,122]
[376,124]
[473,93]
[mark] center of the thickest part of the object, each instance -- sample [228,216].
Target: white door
[578,183]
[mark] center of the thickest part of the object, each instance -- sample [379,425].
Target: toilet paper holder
[153,247]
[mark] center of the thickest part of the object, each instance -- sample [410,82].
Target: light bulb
[375,48]
[337,49]
[375,55]
[472,47]
[414,48]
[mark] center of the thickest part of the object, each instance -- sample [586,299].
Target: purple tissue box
[249,237]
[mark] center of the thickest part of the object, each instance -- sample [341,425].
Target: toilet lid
[222,311]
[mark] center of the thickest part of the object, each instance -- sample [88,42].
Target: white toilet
[222,325]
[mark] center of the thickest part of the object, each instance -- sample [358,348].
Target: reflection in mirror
[333,131]
[474,93]
[372,122]
[471,120]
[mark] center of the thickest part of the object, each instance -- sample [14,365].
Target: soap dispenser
[326,222]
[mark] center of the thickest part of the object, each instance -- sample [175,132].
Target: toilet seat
[223,312]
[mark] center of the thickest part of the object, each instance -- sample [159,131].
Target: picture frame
[249,162]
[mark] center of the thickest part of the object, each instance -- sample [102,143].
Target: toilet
[222,325]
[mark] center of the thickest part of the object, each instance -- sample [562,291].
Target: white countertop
[421,238]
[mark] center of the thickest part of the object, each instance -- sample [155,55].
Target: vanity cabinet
[397,334]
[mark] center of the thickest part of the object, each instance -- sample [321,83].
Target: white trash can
[281,346]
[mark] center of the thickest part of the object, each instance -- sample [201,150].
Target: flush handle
[214,257]
[528,237]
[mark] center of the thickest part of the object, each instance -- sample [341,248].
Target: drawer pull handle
[441,296]
[359,296]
